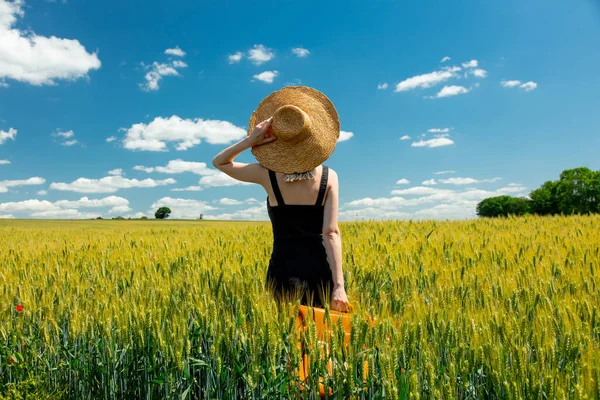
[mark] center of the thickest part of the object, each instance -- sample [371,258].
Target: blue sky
[114,108]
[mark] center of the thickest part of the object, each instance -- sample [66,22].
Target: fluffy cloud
[258,213]
[67,208]
[452,90]
[156,71]
[6,216]
[182,208]
[443,172]
[402,181]
[117,171]
[235,58]
[527,86]
[175,52]
[111,139]
[220,179]
[42,192]
[471,64]
[466,181]
[64,136]
[4,185]
[427,80]
[266,76]
[108,184]
[429,182]
[11,134]
[438,130]
[405,137]
[445,59]
[480,73]
[186,133]
[260,54]
[382,86]
[300,52]
[4,162]
[179,166]
[232,202]
[39,60]
[435,142]
[188,189]
[510,83]
[423,202]
[345,136]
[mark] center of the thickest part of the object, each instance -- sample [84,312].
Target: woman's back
[300,212]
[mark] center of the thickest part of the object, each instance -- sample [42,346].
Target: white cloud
[39,60]
[382,86]
[266,76]
[64,214]
[175,52]
[529,86]
[42,193]
[260,54]
[188,189]
[471,64]
[155,73]
[436,142]
[229,202]
[67,208]
[405,137]
[510,83]
[6,216]
[111,139]
[480,73]
[429,182]
[182,208]
[220,179]
[179,166]
[4,185]
[438,130]
[235,58]
[453,90]
[300,52]
[443,172]
[117,171]
[108,184]
[28,206]
[4,162]
[70,142]
[402,181]
[427,80]
[345,136]
[186,133]
[85,202]
[420,190]
[119,210]
[179,64]
[258,213]
[66,135]
[445,59]
[11,134]
[466,181]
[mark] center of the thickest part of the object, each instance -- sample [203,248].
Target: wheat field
[504,308]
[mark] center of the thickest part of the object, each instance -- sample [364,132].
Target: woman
[292,132]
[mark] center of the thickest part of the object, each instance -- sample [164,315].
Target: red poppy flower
[11,360]
[19,308]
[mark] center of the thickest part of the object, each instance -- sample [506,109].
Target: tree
[144,217]
[162,213]
[503,206]
[543,199]
[201,216]
[577,191]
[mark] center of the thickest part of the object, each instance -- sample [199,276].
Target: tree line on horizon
[577,191]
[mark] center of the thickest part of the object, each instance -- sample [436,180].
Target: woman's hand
[339,300]
[262,134]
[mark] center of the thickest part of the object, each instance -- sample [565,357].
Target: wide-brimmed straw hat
[306,125]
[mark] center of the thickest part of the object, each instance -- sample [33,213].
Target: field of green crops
[503,308]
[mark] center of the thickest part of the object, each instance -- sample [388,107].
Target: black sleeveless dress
[298,264]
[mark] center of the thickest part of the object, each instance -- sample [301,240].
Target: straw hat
[306,125]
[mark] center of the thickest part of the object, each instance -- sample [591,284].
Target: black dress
[298,264]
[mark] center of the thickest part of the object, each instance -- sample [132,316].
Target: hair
[298,176]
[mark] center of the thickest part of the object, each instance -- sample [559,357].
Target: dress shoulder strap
[276,190]
[323,187]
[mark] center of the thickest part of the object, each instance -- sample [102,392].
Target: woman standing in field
[291,133]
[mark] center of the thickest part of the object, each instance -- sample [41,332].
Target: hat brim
[312,151]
